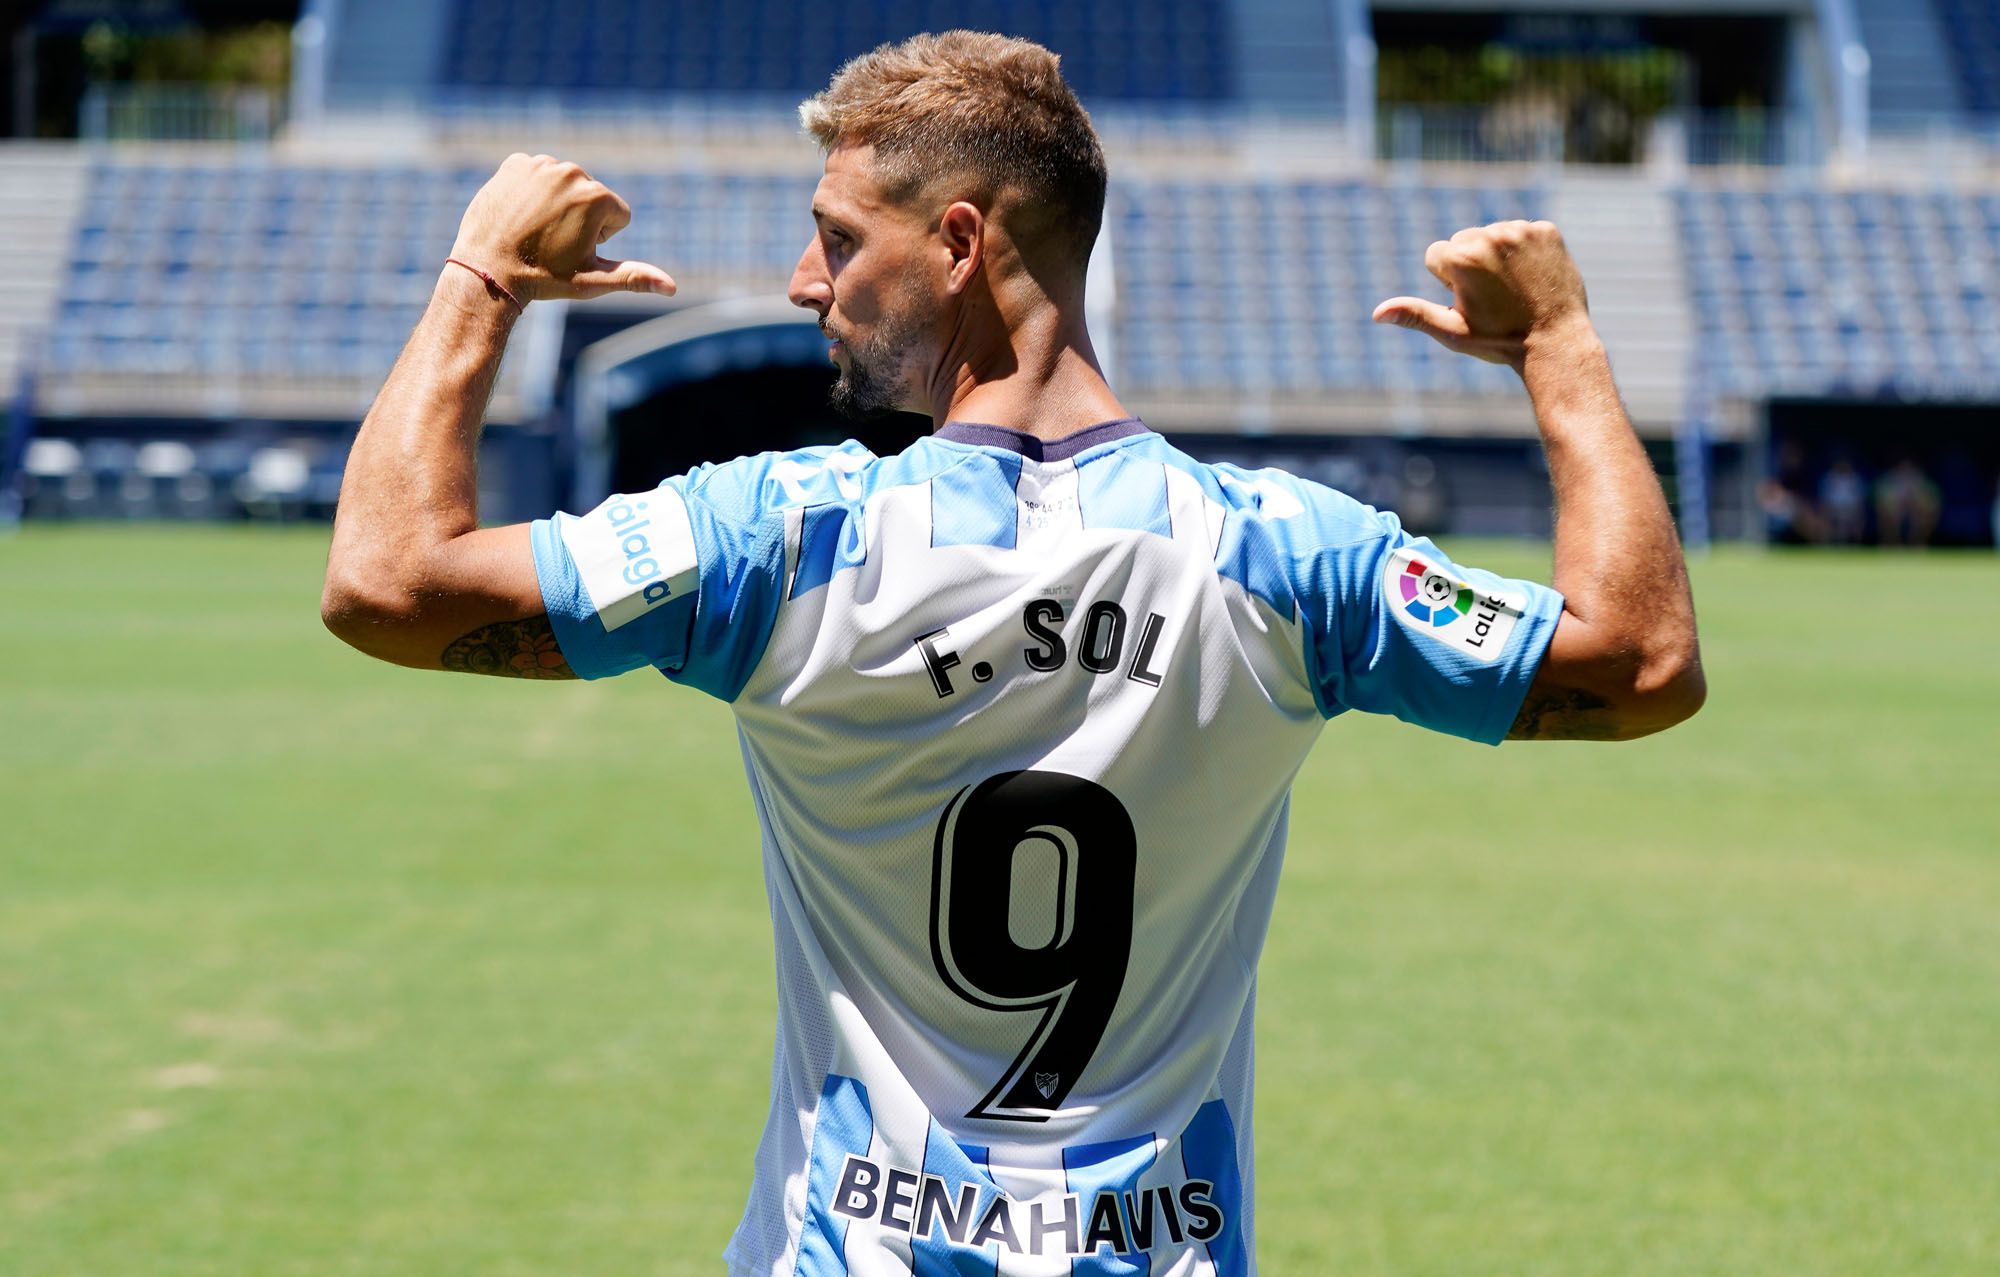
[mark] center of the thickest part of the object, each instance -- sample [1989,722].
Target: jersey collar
[1034,449]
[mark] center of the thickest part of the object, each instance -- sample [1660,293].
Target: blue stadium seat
[1863,292]
[262,268]
[272,270]
[1228,287]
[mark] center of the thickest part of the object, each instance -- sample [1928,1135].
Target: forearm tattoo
[1564,713]
[509,649]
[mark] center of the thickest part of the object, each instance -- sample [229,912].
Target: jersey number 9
[1074,978]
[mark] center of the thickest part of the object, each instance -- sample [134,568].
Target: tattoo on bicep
[1564,713]
[509,649]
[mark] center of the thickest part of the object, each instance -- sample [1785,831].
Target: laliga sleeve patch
[1428,597]
[633,553]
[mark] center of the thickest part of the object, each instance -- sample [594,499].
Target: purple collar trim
[1035,449]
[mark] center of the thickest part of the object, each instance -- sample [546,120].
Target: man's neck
[1040,379]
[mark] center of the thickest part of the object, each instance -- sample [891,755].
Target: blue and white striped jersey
[1021,721]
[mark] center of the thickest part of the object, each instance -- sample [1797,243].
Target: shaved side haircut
[971,115]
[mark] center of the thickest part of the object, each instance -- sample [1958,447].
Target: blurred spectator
[1906,505]
[1789,515]
[1843,500]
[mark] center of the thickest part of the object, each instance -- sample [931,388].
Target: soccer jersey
[1020,721]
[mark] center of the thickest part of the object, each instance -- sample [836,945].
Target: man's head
[964,187]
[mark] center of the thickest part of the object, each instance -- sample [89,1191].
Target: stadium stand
[1851,293]
[250,270]
[257,269]
[253,270]
[1227,290]
[1246,245]
[1264,287]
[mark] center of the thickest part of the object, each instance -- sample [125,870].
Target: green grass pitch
[313,966]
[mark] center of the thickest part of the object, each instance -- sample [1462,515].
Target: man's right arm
[411,577]
[1624,660]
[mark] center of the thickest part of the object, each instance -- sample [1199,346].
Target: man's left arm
[411,577]
[1624,660]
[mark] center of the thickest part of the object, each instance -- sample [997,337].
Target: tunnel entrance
[774,408]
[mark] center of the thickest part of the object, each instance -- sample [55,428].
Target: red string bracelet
[491,282]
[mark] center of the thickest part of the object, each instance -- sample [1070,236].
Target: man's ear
[963,230]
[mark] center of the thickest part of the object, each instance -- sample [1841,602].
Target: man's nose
[810,286]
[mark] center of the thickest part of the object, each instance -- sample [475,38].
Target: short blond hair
[988,115]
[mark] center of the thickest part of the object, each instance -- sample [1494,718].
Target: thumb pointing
[628,276]
[1440,322]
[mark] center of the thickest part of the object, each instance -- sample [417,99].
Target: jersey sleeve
[685,578]
[1393,626]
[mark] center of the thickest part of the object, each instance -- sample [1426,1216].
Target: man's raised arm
[411,577]
[1624,661]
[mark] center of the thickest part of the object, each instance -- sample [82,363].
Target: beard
[872,384]
[862,392]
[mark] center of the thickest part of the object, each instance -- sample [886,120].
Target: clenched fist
[536,225]
[1508,281]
